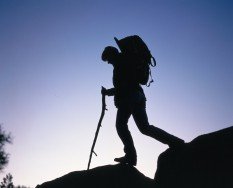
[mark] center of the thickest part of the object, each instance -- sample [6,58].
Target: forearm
[111,92]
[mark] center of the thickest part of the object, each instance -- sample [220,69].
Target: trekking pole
[98,128]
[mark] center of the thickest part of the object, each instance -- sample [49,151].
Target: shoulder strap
[151,78]
[153,63]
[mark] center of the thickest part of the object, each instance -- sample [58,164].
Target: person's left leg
[123,114]
[141,120]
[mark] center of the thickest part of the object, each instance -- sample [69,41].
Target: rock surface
[207,161]
[111,176]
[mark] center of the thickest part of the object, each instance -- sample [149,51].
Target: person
[130,100]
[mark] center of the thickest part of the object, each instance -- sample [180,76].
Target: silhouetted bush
[4,138]
[7,182]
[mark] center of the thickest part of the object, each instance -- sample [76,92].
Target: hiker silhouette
[130,100]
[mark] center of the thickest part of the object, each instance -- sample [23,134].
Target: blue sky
[51,74]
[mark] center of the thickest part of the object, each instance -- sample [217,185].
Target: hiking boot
[127,160]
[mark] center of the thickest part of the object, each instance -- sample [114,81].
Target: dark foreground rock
[205,162]
[110,176]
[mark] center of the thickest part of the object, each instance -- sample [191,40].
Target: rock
[121,176]
[207,161]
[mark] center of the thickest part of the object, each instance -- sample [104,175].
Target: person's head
[109,54]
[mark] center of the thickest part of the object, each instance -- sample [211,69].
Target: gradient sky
[51,75]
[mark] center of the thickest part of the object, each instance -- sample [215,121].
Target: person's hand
[103,91]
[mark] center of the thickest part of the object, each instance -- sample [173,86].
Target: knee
[121,127]
[118,126]
[145,129]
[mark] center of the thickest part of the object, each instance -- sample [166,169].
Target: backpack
[134,45]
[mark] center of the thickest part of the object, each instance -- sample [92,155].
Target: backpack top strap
[153,63]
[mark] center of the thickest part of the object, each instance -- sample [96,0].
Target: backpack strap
[153,63]
[151,78]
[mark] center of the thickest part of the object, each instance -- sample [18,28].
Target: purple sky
[51,75]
